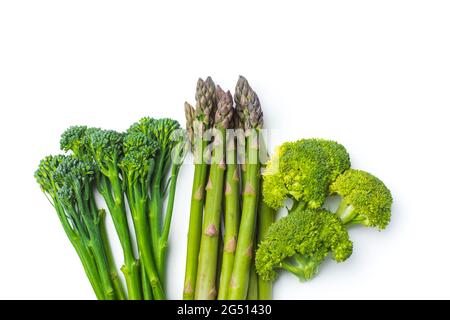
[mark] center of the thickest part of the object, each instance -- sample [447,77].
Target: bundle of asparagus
[217,131]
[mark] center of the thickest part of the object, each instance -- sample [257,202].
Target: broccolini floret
[365,199]
[162,132]
[303,171]
[300,242]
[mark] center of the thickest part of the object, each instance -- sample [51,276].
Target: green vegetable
[141,166]
[300,242]
[266,217]
[163,132]
[137,167]
[365,199]
[198,120]
[45,176]
[303,171]
[208,255]
[105,148]
[232,212]
[250,114]
[68,182]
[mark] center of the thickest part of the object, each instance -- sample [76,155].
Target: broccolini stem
[98,251]
[232,205]
[90,269]
[118,287]
[244,250]
[146,287]
[87,260]
[144,241]
[253,290]
[163,242]
[112,192]
[156,209]
[207,260]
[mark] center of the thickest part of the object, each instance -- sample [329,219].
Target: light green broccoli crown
[303,170]
[45,173]
[300,241]
[367,198]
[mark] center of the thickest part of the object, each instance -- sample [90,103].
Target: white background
[373,75]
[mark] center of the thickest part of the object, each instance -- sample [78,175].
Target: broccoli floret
[77,140]
[106,148]
[300,242]
[76,173]
[365,199]
[139,153]
[45,173]
[303,171]
[159,130]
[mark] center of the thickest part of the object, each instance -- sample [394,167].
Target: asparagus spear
[250,113]
[205,288]
[198,120]
[232,213]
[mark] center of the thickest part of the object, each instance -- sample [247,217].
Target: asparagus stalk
[197,120]
[250,113]
[207,262]
[232,213]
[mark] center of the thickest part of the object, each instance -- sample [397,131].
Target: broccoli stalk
[365,199]
[162,132]
[208,255]
[232,213]
[75,178]
[105,148]
[45,177]
[300,242]
[118,287]
[178,156]
[137,167]
[250,113]
[198,120]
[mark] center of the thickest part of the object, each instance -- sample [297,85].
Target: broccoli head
[160,130]
[106,148]
[299,243]
[365,199]
[76,174]
[77,140]
[139,152]
[45,174]
[303,171]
